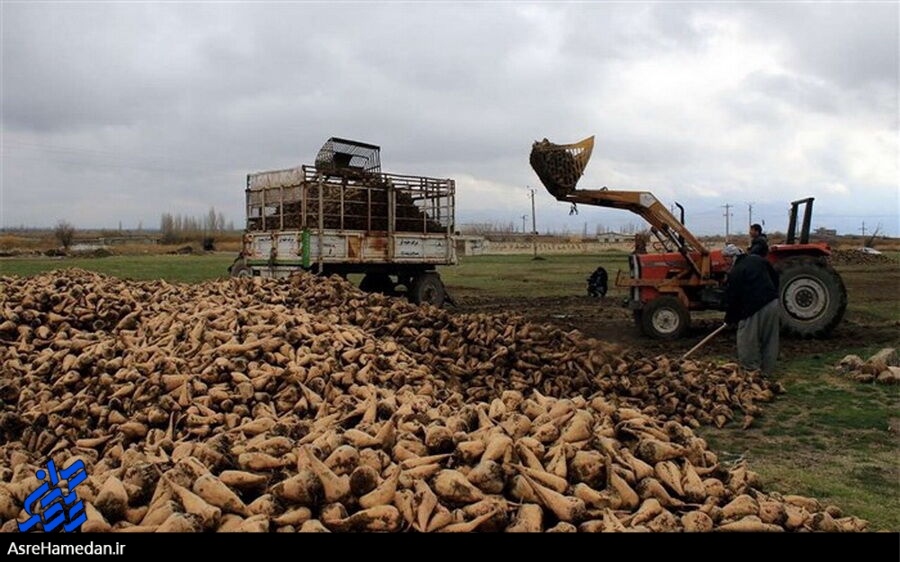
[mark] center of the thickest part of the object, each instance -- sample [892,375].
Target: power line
[728,216]
[533,225]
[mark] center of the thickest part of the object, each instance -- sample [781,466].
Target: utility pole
[749,214]
[863,228]
[533,226]
[728,216]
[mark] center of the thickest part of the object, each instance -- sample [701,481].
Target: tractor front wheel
[664,318]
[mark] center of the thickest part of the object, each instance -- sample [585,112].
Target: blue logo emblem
[56,507]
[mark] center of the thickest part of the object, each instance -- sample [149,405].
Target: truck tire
[427,288]
[812,294]
[664,318]
[240,269]
[377,283]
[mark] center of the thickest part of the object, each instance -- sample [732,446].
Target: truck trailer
[343,215]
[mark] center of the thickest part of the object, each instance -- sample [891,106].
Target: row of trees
[486,228]
[177,229]
[511,228]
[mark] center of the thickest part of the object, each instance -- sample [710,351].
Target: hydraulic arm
[559,168]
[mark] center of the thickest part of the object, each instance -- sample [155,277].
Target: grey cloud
[166,107]
[796,91]
[850,44]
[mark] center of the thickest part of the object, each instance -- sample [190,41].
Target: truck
[343,216]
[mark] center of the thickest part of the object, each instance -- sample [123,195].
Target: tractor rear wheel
[664,318]
[813,296]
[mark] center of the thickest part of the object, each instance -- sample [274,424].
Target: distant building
[470,245]
[822,231]
[613,237]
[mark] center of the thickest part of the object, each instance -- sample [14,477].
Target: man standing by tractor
[753,305]
[759,242]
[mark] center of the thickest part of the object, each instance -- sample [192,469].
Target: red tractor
[665,287]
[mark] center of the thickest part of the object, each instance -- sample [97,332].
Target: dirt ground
[554,291]
[606,319]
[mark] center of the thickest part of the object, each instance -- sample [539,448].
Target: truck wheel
[427,288]
[665,318]
[377,283]
[813,296]
[240,269]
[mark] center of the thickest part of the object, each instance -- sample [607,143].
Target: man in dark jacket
[751,292]
[759,242]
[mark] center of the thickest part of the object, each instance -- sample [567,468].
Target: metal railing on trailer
[303,198]
[394,228]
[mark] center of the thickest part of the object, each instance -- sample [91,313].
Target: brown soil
[607,320]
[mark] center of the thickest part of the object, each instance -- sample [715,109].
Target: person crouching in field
[751,292]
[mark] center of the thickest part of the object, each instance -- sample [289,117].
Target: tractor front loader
[664,287]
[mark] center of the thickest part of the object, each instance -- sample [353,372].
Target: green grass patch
[187,268]
[521,276]
[872,292]
[828,437]
[510,276]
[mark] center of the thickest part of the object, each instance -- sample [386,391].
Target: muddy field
[608,320]
[872,318]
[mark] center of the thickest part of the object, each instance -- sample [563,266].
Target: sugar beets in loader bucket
[560,166]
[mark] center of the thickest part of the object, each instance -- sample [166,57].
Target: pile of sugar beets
[853,256]
[250,405]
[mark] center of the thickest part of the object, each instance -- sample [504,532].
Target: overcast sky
[120,112]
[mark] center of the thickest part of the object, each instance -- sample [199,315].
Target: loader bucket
[560,166]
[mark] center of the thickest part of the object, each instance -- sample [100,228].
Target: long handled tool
[704,341]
